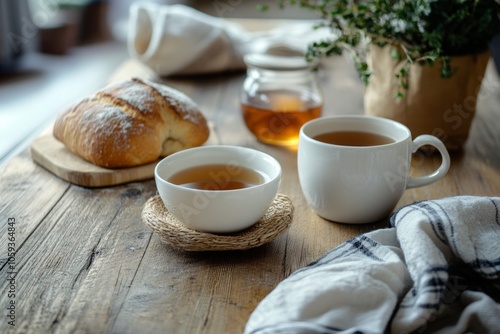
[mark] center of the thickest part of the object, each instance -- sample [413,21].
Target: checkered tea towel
[436,269]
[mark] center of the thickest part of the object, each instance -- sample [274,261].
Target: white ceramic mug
[360,184]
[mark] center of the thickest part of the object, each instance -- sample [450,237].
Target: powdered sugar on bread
[108,122]
[138,96]
[131,123]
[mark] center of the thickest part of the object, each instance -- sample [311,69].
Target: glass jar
[279,95]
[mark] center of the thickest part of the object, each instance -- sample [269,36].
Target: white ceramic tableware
[219,211]
[360,184]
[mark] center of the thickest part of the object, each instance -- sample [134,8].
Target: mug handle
[420,141]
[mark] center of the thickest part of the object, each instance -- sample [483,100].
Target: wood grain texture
[88,264]
[28,195]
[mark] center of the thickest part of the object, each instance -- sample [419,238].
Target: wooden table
[86,263]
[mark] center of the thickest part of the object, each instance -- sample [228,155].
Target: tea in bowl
[218,189]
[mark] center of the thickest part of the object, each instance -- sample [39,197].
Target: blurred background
[53,52]
[56,26]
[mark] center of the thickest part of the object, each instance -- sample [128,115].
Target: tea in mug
[353,138]
[217,177]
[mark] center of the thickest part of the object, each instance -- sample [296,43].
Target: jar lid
[277,63]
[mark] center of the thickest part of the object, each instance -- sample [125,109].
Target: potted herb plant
[423,61]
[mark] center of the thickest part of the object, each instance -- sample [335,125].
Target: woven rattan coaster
[276,220]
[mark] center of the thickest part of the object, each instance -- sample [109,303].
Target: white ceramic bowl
[218,211]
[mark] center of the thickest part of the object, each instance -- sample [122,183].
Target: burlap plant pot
[444,108]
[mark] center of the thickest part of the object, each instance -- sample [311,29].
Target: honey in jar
[279,95]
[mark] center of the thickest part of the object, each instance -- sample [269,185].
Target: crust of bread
[131,123]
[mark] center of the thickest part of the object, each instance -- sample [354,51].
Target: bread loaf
[131,123]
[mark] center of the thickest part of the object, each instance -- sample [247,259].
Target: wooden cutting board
[53,156]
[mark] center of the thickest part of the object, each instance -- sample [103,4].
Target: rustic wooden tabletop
[77,259]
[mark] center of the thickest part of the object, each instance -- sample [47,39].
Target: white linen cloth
[177,39]
[436,269]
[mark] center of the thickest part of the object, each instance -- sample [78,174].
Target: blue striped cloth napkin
[436,269]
